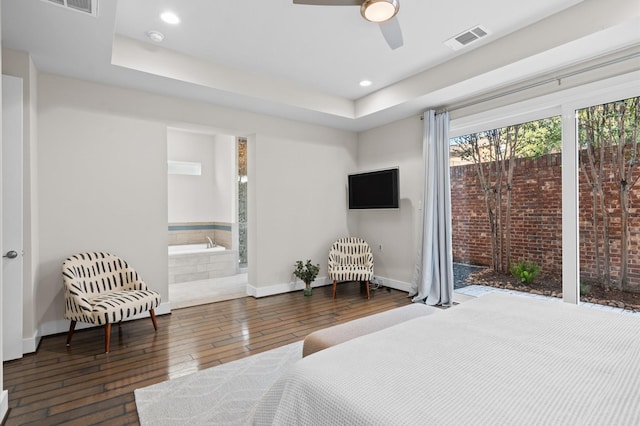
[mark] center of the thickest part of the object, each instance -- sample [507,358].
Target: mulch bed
[551,285]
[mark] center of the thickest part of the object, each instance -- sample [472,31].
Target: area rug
[221,395]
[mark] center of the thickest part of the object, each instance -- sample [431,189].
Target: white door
[11,217]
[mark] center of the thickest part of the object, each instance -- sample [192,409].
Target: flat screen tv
[374,190]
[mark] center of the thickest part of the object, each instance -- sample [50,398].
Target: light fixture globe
[379,10]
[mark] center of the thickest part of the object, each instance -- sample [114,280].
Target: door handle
[11,254]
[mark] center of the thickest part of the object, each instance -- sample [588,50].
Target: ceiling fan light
[379,10]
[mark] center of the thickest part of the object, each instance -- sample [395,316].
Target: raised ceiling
[305,62]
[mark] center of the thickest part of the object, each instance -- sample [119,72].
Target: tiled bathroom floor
[212,290]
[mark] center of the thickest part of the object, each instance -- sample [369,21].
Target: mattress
[496,360]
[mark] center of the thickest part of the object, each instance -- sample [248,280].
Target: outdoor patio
[461,272]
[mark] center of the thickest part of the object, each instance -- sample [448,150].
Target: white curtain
[433,278]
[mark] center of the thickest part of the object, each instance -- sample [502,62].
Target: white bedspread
[495,360]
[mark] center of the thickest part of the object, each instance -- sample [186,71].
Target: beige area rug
[221,395]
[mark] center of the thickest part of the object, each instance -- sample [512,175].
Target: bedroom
[74,120]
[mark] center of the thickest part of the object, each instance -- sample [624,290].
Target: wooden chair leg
[152,314]
[335,283]
[367,284]
[72,327]
[107,337]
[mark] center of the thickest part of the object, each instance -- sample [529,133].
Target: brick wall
[536,219]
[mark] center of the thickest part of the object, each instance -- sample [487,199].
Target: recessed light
[156,36]
[170,18]
[365,83]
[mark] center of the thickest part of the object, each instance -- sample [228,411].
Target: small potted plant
[307,273]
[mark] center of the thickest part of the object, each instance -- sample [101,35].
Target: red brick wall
[587,245]
[536,219]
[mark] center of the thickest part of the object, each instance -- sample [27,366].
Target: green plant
[526,272]
[584,289]
[306,272]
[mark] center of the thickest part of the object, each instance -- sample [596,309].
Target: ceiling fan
[382,12]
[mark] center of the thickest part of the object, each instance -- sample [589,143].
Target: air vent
[467,37]
[90,7]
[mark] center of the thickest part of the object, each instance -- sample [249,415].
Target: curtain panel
[433,278]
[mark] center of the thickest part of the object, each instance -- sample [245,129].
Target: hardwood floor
[82,385]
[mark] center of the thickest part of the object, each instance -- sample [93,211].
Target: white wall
[102,181]
[210,197]
[395,144]
[103,184]
[191,198]
[298,191]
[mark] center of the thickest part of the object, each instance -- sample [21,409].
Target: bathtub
[193,248]
[196,262]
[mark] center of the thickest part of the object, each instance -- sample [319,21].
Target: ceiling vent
[466,38]
[90,7]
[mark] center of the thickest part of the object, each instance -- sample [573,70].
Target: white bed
[496,360]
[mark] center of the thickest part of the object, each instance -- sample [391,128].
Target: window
[242,202]
[507,207]
[609,203]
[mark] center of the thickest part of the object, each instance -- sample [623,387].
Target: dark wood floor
[82,385]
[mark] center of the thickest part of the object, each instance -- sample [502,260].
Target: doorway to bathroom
[207,226]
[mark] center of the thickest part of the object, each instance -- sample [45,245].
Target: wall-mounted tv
[374,190]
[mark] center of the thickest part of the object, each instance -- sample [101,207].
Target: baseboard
[30,344]
[62,326]
[4,406]
[284,288]
[163,309]
[319,282]
[395,284]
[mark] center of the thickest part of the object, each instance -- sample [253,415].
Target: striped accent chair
[102,289]
[350,259]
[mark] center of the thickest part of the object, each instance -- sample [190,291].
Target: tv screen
[374,190]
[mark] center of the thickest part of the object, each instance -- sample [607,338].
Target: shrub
[526,272]
[584,289]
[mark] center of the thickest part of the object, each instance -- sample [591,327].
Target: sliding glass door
[609,195]
[566,196]
[506,186]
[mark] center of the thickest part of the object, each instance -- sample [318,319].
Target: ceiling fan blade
[329,2]
[392,33]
